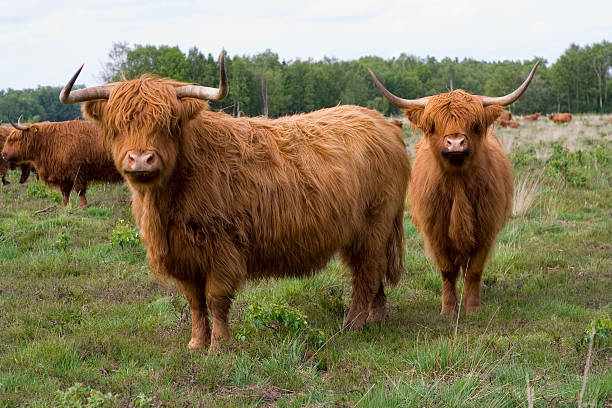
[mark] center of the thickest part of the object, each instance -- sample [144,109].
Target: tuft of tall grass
[526,189]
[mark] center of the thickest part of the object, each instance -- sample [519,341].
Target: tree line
[263,84]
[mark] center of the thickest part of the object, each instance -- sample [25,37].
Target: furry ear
[492,112]
[93,109]
[192,107]
[414,115]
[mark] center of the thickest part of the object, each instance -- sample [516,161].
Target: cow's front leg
[473,277]
[200,327]
[219,308]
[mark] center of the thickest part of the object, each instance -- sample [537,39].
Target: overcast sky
[44,42]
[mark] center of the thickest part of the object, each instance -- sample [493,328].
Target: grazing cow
[220,199]
[65,155]
[5,165]
[533,116]
[461,186]
[508,123]
[560,117]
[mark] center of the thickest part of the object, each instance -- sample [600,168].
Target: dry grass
[582,131]
[526,189]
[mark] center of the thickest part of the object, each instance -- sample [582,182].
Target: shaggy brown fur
[65,155]
[459,209]
[533,116]
[242,198]
[508,123]
[560,117]
[5,165]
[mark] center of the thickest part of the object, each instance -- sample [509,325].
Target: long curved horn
[204,92]
[511,97]
[397,101]
[18,126]
[67,96]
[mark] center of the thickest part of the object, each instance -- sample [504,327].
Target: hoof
[448,310]
[378,314]
[196,344]
[354,323]
[472,309]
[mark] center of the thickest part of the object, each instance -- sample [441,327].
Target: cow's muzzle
[142,166]
[456,149]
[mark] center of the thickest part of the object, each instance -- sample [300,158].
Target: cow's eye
[476,128]
[432,128]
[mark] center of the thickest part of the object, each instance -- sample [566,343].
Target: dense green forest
[264,85]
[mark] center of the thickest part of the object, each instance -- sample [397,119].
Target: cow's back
[299,187]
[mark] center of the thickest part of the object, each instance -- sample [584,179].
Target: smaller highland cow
[65,154]
[461,188]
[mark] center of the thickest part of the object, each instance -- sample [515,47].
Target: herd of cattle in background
[220,199]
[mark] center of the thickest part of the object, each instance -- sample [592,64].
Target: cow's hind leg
[449,291]
[395,267]
[25,173]
[82,189]
[379,308]
[200,327]
[65,189]
[368,262]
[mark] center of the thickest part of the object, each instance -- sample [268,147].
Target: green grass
[81,318]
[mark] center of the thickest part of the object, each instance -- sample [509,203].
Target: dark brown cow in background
[533,116]
[5,165]
[65,154]
[220,199]
[560,117]
[461,185]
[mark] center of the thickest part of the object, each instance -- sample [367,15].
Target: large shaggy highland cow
[65,155]
[461,187]
[220,199]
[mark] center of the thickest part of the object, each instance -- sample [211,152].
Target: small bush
[124,234]
[142,401]
[278,316]
[63,241]
[38,190]
[569,166]
[523,157]
[603,333]
[82,396]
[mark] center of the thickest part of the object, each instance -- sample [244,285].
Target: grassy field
[82,322]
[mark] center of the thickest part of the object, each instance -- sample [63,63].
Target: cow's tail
[395,251]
